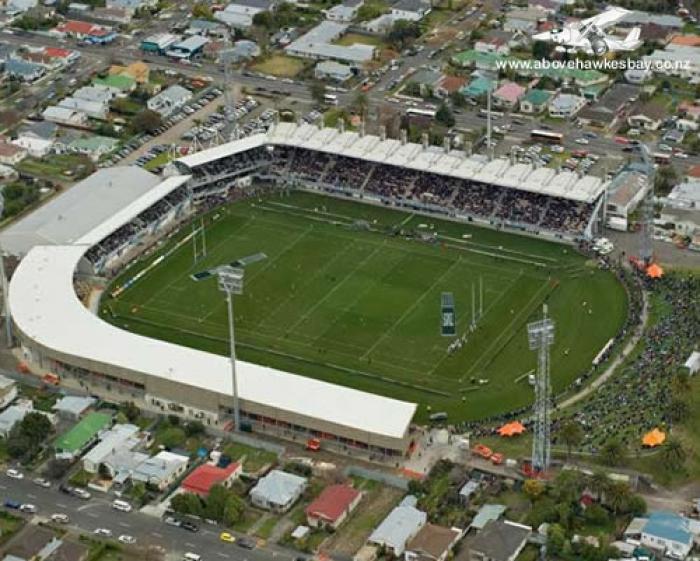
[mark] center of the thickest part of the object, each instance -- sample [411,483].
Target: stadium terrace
[58,333]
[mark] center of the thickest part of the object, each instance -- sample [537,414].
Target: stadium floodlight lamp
[231,282]
[230,279]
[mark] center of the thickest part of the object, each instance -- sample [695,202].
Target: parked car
[189,526]
[60,518]
[172,521]
[246,543]
[11,503]
[81,493]
[28,508]
[227,537]
[127,539]
[14,474]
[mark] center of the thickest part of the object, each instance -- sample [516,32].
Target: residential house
[682,221]
[500,540]
[524,20]
[159,43]
[478,87]
[448,85]
[161,470]
[638,76]
[138,71]
[399,527]
[332,506]
[169,100]
[22,70]
[189,48]
[535,101]
[73,407]
[204,477]
[65,56]
[244,49]
[647,115]
[65,116]
[112,16]
[486,514]
[412,10]
[432,543]
[36,147]
[508,95]
[611,107]
[131,6]
[97,94]
[85,32]
[425,80]
[565,106]
[16,7]
[468,490]
[8,391]
[240,13]
[36,543]
[480,60]
[13,415]
[278,490]
[121,84]
[84,434]
[637,18]
[687,194]
[655,34]
[498,41]
[344,12]
[121,464]
[334,71]
[381,24]
[94,146]
[207,28]
[11,154]
[668,532]
[119,437]
[93,109]
[676,60]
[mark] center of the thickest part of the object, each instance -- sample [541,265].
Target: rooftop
[397,528]
[433,540]
[74,404]
[333,502]
[500,540]
[204,477]
[278,487]
[669,526]
[82,433]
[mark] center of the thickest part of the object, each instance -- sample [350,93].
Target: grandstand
[92,234]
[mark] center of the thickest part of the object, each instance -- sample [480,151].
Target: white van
[189,556]
[122,505]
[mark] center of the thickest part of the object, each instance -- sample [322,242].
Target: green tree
[636,505]
[596,515]
[172,437]
[131,411]
[194,428]
[317,90]
[216,502]
[678,408]
[457,99]
[187,503]
[403,32]
[613,452]
[264,19]
[617,497]
[567,486]
[444,116]
[599,483]
[145,121]
[235,508]
[571,435]
[673,454]
[666,178]
[533,489]
[202,11]
[360,104]
[556,539]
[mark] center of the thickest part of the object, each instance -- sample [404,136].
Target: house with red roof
[204,477]
[66,56]
[332,506]
[85,32]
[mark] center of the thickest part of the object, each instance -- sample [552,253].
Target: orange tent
[654,438]
[654,271]
[511,429]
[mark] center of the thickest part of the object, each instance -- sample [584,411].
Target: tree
[187,503]
[457,99]
[216,502]
[567,486]
[596,515]
[533,488]
[678,408]
[172,437]
[613,452]
[264,19]
[599,483]
[193,428]
[317,90]
[444,116]
[571,435]
[202,11]
[145,121]
[131,411]
[617,497]
[666,178]
[636,505]
[360,104]
[673,454]
[556,539]
[403,32]
[234,510]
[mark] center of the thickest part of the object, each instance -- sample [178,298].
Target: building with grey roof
[161,470]
[8,391]
[240,13]
[278,490]
[331,70]
[119,437]
[65,116]
[344,12]
[412,10]
[397,529]
[636,17]
[13,415]
[73,406]
[498,541]
[78,210]
[188,48]
[92,108]
[565,105]
[318,44]
[169,100]
[22,70]
[485,514]
[98,94]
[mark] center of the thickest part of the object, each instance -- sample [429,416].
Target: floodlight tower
[230,281]
[646,251]
[540,336]
[5,290]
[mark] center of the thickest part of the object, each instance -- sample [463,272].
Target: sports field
[358,303]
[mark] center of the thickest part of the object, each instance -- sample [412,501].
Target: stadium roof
[42,297]
[79,210]
[542,180]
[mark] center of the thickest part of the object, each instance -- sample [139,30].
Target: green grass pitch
[361,307]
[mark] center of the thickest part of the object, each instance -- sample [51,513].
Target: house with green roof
[534,101]
[73,443]
[478,87]
[94,146]
[119,83]
[478,59]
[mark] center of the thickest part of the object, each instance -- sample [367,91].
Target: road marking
[92,515]
[31,496]
[188,544]
[225,556]
[157,535]
[61,505]
[124,525]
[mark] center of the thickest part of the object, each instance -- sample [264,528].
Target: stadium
[339,325]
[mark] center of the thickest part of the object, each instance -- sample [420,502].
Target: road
[86,516]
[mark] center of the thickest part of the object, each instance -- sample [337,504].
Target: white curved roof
[545,181]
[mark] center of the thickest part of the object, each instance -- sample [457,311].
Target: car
[665,148]
[103,532]
[589,134]
[189,526]
[227,537]
[172,521]
[581,140]
[81,493]
[11,503]
[127,539]
[60,518]
[246,543]
[28,508]
[14,474]
[681,155]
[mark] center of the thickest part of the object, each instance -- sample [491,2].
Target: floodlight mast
[230,281]
[540,336]
[5,289]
